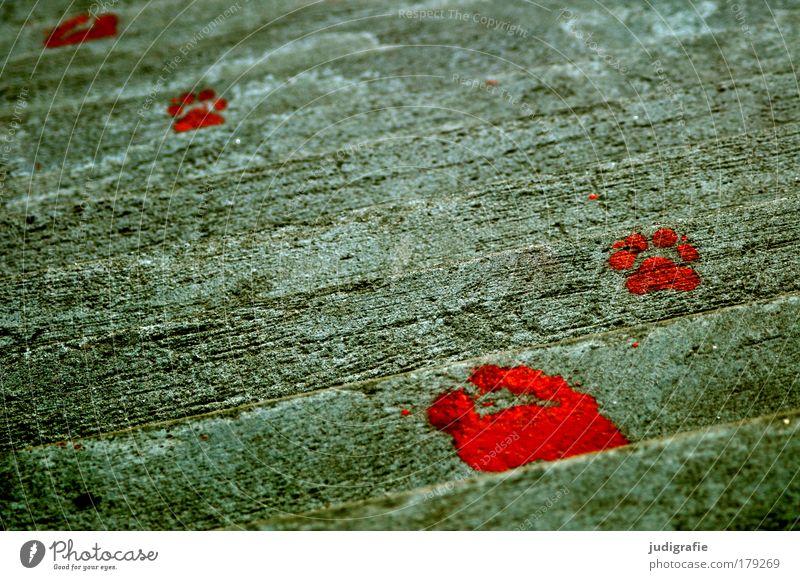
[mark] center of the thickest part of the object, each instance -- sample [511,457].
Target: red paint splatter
[635,345]
[518,435]
[656,272]
[659,273]
[104,25]
[184,99]
[491,82]
[203,437]
[206,95]
[77,446]
[405,412]
[61,443]
[593,196]
[200,116]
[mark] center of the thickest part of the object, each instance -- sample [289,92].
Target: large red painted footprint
[73,31]
[198,116]
[560,424]
[656,272]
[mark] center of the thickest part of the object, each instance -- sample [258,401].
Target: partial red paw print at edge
[104,25]
[521,434]
[200,116]
[656,272]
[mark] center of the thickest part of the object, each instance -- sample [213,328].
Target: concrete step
[315,192]
[209,37]
[245,326]
[357,233]
[240,245]
[336,106]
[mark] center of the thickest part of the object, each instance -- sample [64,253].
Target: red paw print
[656,272]
[198,116]
[559,424]
[70,32]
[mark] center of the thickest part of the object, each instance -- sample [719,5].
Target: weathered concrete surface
[483,137]
[352,443]
[370,110]
[736,477]
[393,216]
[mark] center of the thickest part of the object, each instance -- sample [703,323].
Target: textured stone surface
[207,352]
[379,91]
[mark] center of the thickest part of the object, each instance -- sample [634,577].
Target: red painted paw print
[198,116]
[74,32]
[656,272]
[557,423]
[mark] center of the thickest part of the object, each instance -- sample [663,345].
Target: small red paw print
[559,423]
[656,272]
[71,32]
[200,115]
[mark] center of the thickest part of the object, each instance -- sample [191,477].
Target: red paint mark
[104,25]
[622,260]
[656,272]
[77,446]
[185,99]
[518,435]
[203,437]
[405,412]
[635,345]
[199,116]
[659,273]
[684,238]
[61,443]
[593,196]
[206,95]
[664,238]
[491,82]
